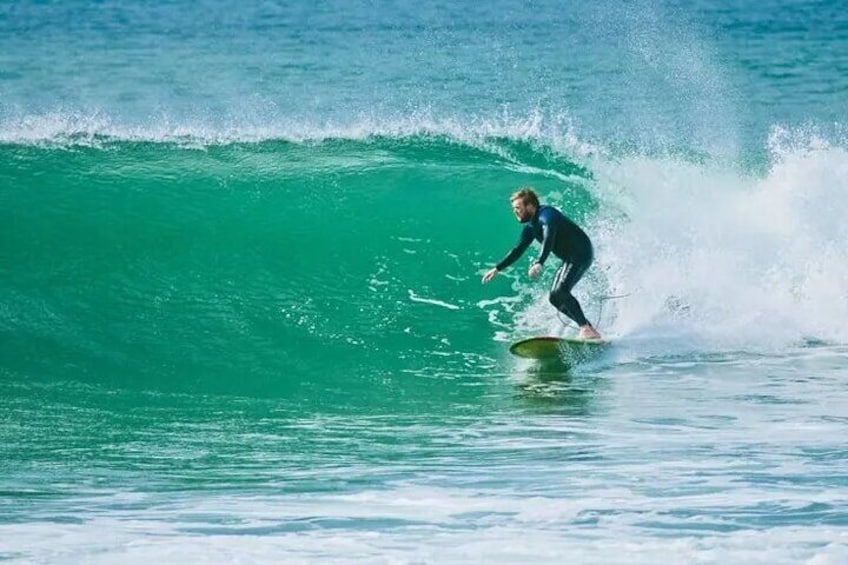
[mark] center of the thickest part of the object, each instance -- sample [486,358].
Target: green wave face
[268,268]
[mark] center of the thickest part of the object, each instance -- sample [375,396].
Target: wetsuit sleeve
[516,252]
[549,233]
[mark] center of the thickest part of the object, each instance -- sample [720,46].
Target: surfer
[563,238]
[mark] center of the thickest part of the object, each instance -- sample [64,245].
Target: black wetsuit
[565,239]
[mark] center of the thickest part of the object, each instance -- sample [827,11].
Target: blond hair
[527,196]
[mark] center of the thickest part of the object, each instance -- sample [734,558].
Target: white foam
[409,525]
[66,127]
[726,256]
[415,298]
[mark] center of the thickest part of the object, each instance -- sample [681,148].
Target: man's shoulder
[549,213]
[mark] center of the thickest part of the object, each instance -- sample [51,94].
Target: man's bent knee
[556,299]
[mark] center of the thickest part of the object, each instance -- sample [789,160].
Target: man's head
[524,204]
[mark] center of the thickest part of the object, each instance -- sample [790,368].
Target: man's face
[523,212]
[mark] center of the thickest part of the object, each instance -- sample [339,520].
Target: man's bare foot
[588,332]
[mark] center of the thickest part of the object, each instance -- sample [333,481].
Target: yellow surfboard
[568,349]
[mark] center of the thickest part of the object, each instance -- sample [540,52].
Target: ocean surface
[241,317]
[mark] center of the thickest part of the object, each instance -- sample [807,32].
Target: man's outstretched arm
[513,255]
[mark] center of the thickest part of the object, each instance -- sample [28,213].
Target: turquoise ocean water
[241,316]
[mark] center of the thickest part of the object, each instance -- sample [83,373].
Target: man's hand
[535,270]
[490,274]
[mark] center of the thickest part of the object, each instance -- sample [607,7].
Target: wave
[138,260]
[149,259]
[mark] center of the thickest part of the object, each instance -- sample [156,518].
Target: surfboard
[568,349]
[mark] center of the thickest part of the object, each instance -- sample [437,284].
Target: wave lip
[74,128]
